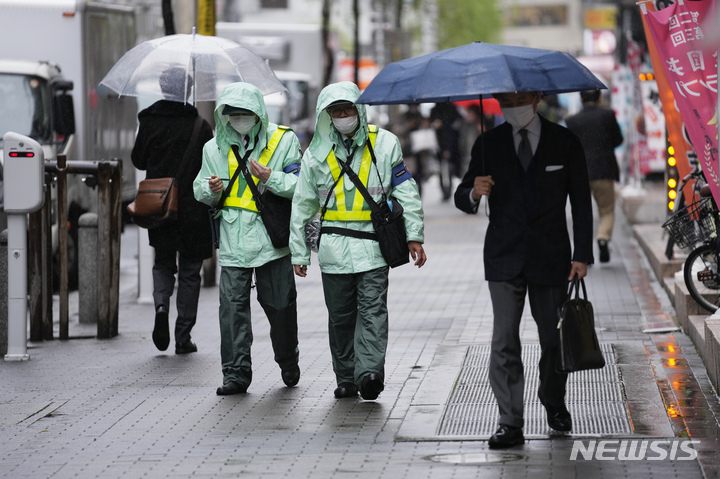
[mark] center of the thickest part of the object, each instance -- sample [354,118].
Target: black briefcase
[579,346]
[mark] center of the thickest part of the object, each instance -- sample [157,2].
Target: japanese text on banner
[692,73]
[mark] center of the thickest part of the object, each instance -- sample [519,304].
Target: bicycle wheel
[670,246]
[701,277]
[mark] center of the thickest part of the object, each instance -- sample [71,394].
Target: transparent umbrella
[211,62]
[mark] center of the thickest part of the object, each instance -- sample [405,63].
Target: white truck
[53,54]
[295,53]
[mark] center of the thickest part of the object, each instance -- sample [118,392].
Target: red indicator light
[22,154]
[13,154]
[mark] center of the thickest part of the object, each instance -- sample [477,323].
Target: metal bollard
[88,268]
[3,292]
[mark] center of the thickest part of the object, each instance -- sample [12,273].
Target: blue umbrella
[476,70]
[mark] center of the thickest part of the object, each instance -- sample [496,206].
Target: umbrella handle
[482,142]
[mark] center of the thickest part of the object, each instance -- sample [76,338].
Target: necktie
[524,150]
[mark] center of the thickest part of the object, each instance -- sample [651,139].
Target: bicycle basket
[692,224]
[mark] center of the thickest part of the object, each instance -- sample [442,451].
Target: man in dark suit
[528,167]
[599,134]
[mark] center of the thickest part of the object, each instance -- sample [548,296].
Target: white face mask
[519,116]
[346,125]
[242,123]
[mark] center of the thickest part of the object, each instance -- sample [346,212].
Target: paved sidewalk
[89,408]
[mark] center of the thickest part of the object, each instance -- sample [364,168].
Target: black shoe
[346,390]
[604,251]
[291,376]
[371,387]
[558,418]
[161,331]
[230,389]
[185,348]
[506,436]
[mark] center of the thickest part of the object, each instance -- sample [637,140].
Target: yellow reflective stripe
[246,201]
[347,215]
[340,213]
[336,171]
[272,144]
[364,174]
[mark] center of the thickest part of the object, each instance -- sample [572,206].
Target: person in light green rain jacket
[274,160]
[354,273]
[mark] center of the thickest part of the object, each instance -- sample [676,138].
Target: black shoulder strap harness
[374,207]
[221,202]
[248,177]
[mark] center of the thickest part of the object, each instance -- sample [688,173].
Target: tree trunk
[329,62]
[168,20]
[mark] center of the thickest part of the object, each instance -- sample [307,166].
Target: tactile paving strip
[594,398]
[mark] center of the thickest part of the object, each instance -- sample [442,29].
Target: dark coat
[165,130]
[528,232]
[599,134]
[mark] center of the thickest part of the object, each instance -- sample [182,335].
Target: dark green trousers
[277,295]
[358,323]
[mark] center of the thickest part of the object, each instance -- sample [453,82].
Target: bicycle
[693,225]
[696,176]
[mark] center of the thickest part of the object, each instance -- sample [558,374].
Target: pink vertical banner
[691,70]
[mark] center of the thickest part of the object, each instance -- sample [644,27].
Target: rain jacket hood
[325,133]
[241,95]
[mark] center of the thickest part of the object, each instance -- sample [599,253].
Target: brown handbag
[156,202]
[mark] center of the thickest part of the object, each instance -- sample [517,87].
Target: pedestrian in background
[273,157]
[599,134]
[528,167]
[472,127]
[180,248]
[354,273]
[412,121]
[447,122]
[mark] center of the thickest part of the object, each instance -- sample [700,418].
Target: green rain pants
[277,295]
[358,323]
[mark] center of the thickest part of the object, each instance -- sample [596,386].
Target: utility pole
[356,40]
[206,17]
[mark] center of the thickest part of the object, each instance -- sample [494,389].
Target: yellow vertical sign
[206,17]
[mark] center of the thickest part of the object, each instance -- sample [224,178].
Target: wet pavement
[120,408]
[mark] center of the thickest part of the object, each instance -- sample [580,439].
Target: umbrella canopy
[211,62]
[475,70]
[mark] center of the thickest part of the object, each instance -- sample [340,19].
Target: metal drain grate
[594,398]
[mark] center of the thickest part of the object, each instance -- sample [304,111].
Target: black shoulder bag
[387,218]
[274,210]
